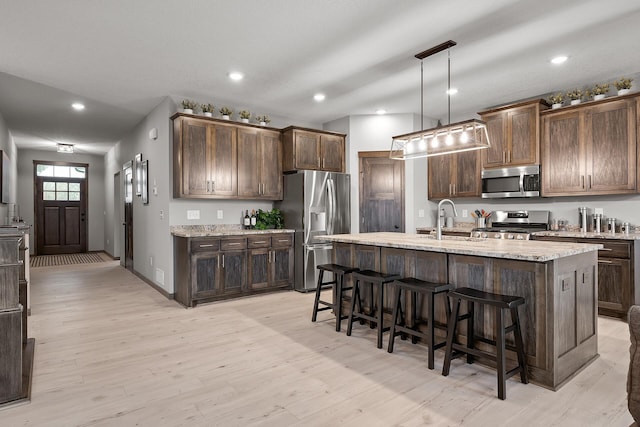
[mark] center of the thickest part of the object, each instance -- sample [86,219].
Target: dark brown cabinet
[308,149]
[259,164]
[454,175]
[514,134]
[213,268]
[590,149]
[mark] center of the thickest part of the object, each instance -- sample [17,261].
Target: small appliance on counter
[583,214]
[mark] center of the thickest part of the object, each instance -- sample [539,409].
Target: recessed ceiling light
[381,111]
[65,148]
[559,59]
[319,97]
[78,106]
[452,91]
[235,76]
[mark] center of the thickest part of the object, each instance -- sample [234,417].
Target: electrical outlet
[161,214]
[107,241]
[151,261]
[465,213]
[598,211]
[420,213]
[220,214]
[193,214]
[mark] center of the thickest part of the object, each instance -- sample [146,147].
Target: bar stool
[400,326]
[376,311]
[500,303]
[337,286]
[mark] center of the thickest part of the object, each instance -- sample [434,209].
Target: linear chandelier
[448,139]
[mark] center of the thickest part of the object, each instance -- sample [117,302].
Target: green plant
[558,98]
[269,219]
[226,111]
[189,105]
[264,118]
[600,89]
[623,83]
[244,114]
[208,108]
[574,94]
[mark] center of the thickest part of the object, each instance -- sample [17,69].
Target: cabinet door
[233,274]
[614,285]
[270,165]
[495,155]
[196,156]
[307,150]
[563,155]
[332,153]
[281,267]
[248,171]
[523,146]
[611,136]
[223,160]
[258,268]
[467,182]
[204,272]
[439,181]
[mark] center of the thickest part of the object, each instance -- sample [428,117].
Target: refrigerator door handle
[332,210]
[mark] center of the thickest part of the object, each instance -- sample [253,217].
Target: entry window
[61,191]
[61,171]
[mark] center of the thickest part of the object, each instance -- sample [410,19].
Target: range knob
[520,237]
[484,235]
[497,236]
[510,237]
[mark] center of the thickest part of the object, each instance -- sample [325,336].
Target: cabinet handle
[260,241]
[589,182]
[283,240]
[233,244]
[208,186]
[504,157]
[213,186]
[222,260]
[582,181]
[206,246]
[218,257]
[450,189]
[605,249]
[602,261]
[509,156]
[454,188]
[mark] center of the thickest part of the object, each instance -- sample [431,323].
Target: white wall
[8,145]
[95,203]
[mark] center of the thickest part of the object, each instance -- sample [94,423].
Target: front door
[381,192]
[61,207]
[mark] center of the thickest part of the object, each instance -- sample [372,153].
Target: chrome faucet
[440,209]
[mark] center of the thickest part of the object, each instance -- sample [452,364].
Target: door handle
[222,260]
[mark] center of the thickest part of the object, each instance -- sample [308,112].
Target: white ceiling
[121,57]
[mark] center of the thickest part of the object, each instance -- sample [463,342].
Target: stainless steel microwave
[520,181]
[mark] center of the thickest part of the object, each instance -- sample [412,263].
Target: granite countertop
[525,250]
[589,235]
[459,227]
[219,230]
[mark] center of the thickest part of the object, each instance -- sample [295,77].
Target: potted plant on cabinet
[244,116]
[272,219]
[575,96]
[188,106]
[599,91]
[623,85]
[207,109]
[263,120]
[556,100]
[226,112]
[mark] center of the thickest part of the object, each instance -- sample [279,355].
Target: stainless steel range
[514,225]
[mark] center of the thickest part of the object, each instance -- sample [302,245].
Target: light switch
[420,213]
[161,214]
[193,214]
[465,213]
[220,214]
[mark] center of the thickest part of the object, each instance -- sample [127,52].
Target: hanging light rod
[436,49]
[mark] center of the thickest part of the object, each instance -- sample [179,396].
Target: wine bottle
[253,218]
[247,220]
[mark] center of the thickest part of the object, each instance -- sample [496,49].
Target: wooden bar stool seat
[375,316]
[337,287]
[500,303]
[401,326]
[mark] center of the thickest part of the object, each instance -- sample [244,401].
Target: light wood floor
[111,351]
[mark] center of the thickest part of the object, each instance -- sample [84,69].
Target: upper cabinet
[307,149]
[514,134]
[454,175]
[216,159]
[590,149]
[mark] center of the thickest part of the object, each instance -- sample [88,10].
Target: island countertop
[525,250]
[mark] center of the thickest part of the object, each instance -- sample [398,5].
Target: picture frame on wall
[145,182]
[138,174]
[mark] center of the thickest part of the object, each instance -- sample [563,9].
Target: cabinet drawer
[259,241]
[282,240]
[233,244]
[200,245]
[611,249]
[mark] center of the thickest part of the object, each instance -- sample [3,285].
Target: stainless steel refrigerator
[314,204]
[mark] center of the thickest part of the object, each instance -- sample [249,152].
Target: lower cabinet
[212,268]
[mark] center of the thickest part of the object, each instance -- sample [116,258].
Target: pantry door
[61,207]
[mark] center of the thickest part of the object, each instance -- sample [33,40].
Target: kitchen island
[558,281]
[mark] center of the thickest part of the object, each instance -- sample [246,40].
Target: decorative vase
[208,114]
[558,105]
[575,101]
[263,123]
[623,91]
[225,117]
[599,97]
[187,110]
[244,120]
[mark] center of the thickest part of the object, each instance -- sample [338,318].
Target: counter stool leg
[522,361]
[471,332]
[394,320]
[355,296]
[317,300]
[372,310]
[414,315]
[500,356]
[451,332]
[431,329]
[380,313]
[337,301]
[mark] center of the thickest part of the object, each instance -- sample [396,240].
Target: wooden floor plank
[110,350]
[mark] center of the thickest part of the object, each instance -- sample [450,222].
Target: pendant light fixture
[451,138]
